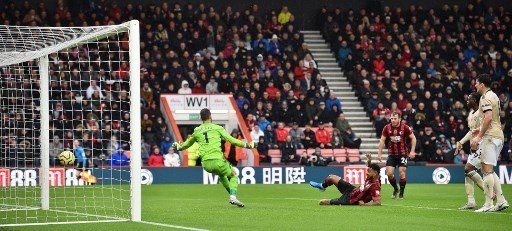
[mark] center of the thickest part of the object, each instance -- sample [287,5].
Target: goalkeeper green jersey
[209,137]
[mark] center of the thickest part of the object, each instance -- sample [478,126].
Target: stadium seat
[300,151]
[340,155]
[327,153]
[275,156]
[353,155]
[310,151]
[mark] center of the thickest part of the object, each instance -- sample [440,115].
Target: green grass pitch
[295,207]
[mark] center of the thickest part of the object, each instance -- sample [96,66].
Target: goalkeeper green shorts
[220,167]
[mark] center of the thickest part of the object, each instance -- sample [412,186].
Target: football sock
[488,188]
[476,178]
[327,183]
[468,182]
[497,189]
[403,182]
[392,181]
[225,182]
[233,185]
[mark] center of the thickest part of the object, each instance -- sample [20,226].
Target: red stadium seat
[310,151]
[340,155]
[327,153]
[275,156]
[300,151]
[353,155]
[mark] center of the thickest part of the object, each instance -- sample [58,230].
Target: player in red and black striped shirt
[365,194]
[395,134]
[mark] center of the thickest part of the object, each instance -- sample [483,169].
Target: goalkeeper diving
[209,135]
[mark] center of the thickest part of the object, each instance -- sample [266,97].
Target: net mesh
[89,113]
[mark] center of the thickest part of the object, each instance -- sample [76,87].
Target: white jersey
[474,119]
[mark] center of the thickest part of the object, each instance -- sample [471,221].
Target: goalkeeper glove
[250,145]
[176,146]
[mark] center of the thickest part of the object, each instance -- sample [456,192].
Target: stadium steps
[338,83]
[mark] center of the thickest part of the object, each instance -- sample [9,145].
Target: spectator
[145,150]
[304,159]
[172,159]
[56,147]
[270,137]
[438,156]
[323,137]
[331,101]
[256,133]
[146,93]
[156,159]
[184,88]
[336,139]
[350,140]
[297,135]
[284,16]
[317,159]
[118,158]
[263,148]
[288,151]
[342,123]
[166,144]
[281,134]
[309,137]
[212,86]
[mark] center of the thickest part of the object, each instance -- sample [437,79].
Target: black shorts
[397,160]
[345,189]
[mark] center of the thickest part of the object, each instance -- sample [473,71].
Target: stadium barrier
[247,175]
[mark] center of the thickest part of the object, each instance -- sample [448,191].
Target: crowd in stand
[259,57]
[423,63]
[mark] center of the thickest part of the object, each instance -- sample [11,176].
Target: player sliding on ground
[474,162]
[209,136]
[366,194]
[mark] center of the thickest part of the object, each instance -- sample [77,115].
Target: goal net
[69,89]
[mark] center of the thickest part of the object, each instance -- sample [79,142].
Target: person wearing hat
[185,89]
[369,194]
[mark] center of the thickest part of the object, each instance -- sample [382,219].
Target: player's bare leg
[471,178]
[329,180]
[390,172]
[403,181]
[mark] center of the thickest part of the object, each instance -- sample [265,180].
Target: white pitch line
[61,223]
[171,226]
[403,206]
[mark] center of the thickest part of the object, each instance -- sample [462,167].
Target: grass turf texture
[295,207]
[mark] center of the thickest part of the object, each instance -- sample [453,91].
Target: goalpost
[61,85]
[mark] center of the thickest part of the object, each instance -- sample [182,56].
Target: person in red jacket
[156,159]
[281,133]
[271,90]
[379,65]
[323,137]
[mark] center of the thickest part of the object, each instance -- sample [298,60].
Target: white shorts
[475,159]
[491,148]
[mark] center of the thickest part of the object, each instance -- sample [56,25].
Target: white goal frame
[9,58]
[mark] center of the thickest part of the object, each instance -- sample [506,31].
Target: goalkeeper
[209,136]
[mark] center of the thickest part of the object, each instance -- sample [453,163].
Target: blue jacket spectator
[241,101]
[470,53]
[343,52]
[119,158]
[166,143]
[332,100]
[262,123]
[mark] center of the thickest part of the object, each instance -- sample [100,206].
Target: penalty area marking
[403,206]
[171,226]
